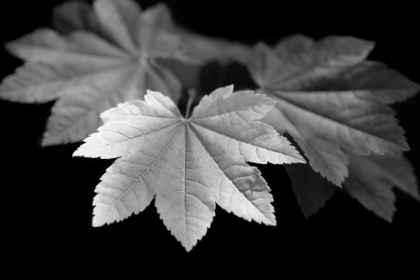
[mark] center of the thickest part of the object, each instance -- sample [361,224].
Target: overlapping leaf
[197,49]
[108,58]
[203,48]
[187,164]
[372,178]
[311,189]
[332,101]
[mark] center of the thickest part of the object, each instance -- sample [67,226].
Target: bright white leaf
[188,165]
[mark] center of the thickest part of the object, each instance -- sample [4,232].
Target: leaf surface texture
[188,165]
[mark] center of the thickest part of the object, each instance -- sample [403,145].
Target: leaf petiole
[192,93]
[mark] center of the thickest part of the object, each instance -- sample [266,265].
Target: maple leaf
[187,164]
[197,49]
[109,61]
[334,104]
[329,99]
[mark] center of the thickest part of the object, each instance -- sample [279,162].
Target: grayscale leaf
[187,164]
[331,100]
[107,58]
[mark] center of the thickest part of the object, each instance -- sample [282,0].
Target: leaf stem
[192,93]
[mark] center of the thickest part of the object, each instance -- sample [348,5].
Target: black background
[47,195]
